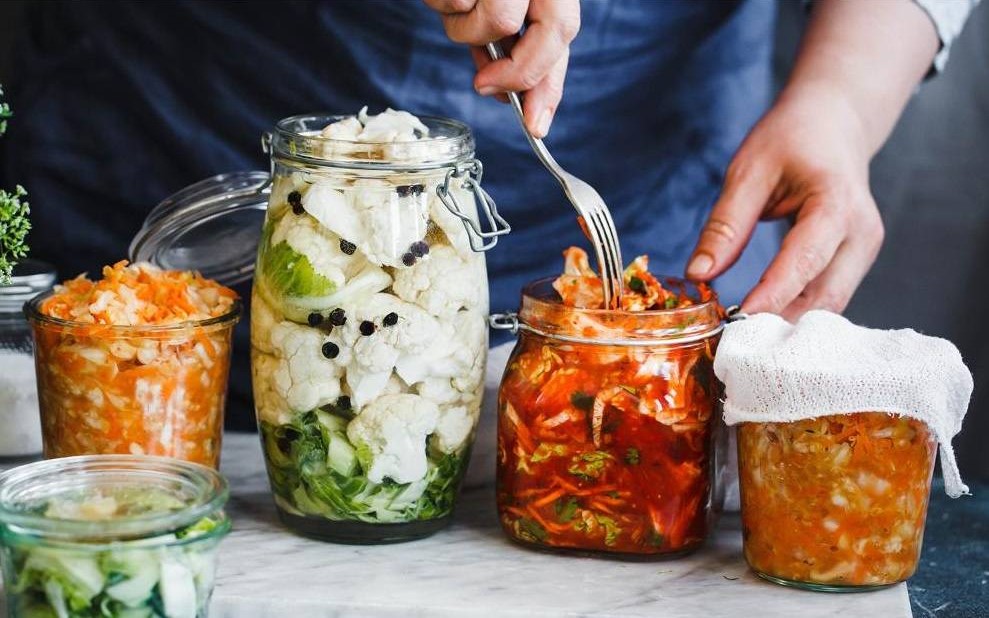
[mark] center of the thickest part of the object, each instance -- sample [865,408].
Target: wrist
[828,104]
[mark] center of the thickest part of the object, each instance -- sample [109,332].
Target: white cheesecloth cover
[774,371]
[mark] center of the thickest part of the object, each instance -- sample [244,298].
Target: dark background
[931,182]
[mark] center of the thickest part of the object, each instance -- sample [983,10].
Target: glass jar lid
[543,313]
[103,498]
[29,278]
[212,226]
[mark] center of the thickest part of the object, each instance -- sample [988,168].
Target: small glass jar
[21,436]
[607,423]
[835,503]
[369,334]
[142,390]
[110,535]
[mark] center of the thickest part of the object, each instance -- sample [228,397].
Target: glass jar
[369,333]
[607,423]
[835,503]
[142,390]
[110,535]
[21,435]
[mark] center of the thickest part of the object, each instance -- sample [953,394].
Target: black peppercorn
[331,350]
[347,247]
[391,319]
[408,259]
[343,402]
[419,248]
[367,328]
[295,200]
[338,317]
[315,319]
[407,190]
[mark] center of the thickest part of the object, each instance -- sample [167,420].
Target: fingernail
[700,265]
[542,123]
[487,91]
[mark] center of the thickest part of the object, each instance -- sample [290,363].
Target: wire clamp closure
[469,174]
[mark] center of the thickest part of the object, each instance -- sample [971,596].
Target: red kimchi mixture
[607,447]
[838,500]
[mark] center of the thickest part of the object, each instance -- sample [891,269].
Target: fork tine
[606,249]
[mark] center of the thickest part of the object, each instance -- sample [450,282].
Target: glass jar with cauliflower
[836,502]
[368,328]
[134,363]
[608,418]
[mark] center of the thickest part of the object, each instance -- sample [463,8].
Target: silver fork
[586,201]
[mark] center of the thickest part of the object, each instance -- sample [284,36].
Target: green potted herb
[14,211]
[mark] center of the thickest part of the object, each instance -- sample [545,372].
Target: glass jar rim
[32,309]
[297,137]
[203,490]
[543,312]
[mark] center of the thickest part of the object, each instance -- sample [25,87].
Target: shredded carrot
[103,389]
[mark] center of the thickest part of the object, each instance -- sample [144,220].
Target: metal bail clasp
[504,321]
[471,172]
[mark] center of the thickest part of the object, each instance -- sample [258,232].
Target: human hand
[808,158]
[537,61]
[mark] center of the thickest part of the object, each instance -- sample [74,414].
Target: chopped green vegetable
[590,523]
[671,302]
[566,509]
[530,530]
[545,450]
[320,472]
[290,273]
[655,539]
[632,456]
[582,401]
[636,285]
[589,466]
[140,579]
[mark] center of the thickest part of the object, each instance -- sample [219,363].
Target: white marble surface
[470,569]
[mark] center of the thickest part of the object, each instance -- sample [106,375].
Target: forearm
[868,56]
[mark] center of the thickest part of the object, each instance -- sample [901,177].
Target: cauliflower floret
[347,129]
[304,377]
[452,226]
[440,391]
[376,355]
[394,429]
[271,407]
[453,428]
[390,126]
[307,236]
[371,215]
[391,222]
[442,283]
[263,319]
[329,206]
[452,353]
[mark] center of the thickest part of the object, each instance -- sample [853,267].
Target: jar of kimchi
[607,423]
[837,502]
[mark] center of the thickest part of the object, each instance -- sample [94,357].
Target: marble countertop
[471,569]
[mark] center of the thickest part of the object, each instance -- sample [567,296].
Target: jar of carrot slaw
[135,363]
[835,503]
[607,424]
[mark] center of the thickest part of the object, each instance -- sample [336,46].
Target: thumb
[743,198]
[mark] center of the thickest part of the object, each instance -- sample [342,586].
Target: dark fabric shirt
[120,104]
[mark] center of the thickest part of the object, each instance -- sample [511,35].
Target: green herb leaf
[5,114]
[566,509]
[636,285]
[589,466]
[14,226]
[632,456]
[671,302]
[582,401]
[655,539]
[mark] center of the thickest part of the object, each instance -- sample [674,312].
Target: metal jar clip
[471,172]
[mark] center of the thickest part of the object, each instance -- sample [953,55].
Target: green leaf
[530,530]
[582,401]
[655,539]
[636,285]
[546,450]
[566,509]
[5,114]
[290,273]
[671,302]
[632,456]
[589,466]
